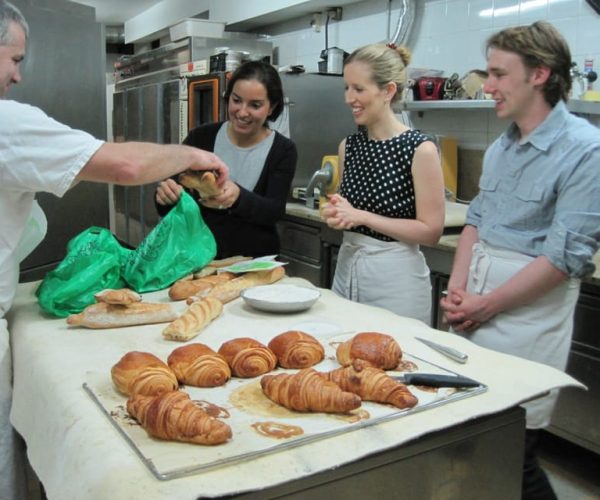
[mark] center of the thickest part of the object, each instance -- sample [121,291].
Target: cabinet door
[301,241]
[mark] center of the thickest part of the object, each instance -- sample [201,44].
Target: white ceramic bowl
[281,298]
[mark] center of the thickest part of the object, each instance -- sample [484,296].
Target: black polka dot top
[377,176]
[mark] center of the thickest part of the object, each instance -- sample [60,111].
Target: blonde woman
[391,197]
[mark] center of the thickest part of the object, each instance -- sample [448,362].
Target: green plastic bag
[93,263]
[180,244]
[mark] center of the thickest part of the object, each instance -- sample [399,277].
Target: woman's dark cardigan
[248,227]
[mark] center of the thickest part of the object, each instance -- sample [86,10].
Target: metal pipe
[405,20]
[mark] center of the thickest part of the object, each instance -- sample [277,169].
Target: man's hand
[209,161]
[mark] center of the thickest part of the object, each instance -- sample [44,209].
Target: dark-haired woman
[262,163]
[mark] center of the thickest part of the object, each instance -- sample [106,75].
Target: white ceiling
[116,12]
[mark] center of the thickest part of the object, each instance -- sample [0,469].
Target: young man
[534,227]
[39,154]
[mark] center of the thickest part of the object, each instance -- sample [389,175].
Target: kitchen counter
[449,242]
[76,452]
[455,213]
[455,217]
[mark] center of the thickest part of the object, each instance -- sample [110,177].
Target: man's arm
[134,163]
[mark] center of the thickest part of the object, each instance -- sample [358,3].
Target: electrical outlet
[335,14]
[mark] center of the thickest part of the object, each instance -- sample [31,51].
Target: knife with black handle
[436,380]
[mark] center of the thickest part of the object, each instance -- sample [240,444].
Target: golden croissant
[173,416]
[307,390]
[248,357]
[194,318]
[142,373]
[295,349]
[378,349]
[372,384]
[199,365]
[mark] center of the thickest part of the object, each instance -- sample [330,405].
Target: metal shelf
[574,105]
[447,104]
[584,107]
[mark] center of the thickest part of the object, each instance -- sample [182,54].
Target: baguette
[194,318]
[122,296]
[103,315]
[182,289]
[229,261]
[226,292]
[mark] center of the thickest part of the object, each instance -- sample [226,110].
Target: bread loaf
[103,315]
[308,391]
[193,320]
[231,290]
[205,183]
[173,416]
[248,357]
[378,349]
[295,349]
[184,288]
[122,296]
[372,384]
[142,373]
[229,261]
[198,365]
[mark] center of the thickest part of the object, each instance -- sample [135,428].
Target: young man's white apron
[388,274]
[540,331]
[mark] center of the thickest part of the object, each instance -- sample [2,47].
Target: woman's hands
[230,194]
[168,192]
[338,213]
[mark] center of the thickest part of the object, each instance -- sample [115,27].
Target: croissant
[307,390]
[173,416]
[295,349]
[248,357]
[372,384]
[184,288]
[378,349]
[194,318]
[142,373]
[199,365]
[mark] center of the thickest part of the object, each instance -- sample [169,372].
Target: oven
[205,102]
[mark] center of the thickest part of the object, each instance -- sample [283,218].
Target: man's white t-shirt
[37,154]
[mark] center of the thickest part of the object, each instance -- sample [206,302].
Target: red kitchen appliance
[429,88]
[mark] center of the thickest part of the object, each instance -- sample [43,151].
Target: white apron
[392,275]
[540,331]
[12,462]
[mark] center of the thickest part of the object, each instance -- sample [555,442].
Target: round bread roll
[378,349]
[198,365]
[296,349]
[248,357]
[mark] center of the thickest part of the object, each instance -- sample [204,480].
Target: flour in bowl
[282,293]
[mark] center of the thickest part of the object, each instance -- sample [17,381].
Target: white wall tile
[559,9]
[530,12]
[477,21]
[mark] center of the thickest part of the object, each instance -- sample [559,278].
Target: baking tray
[241,403]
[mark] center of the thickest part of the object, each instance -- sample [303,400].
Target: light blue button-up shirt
[542,197]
